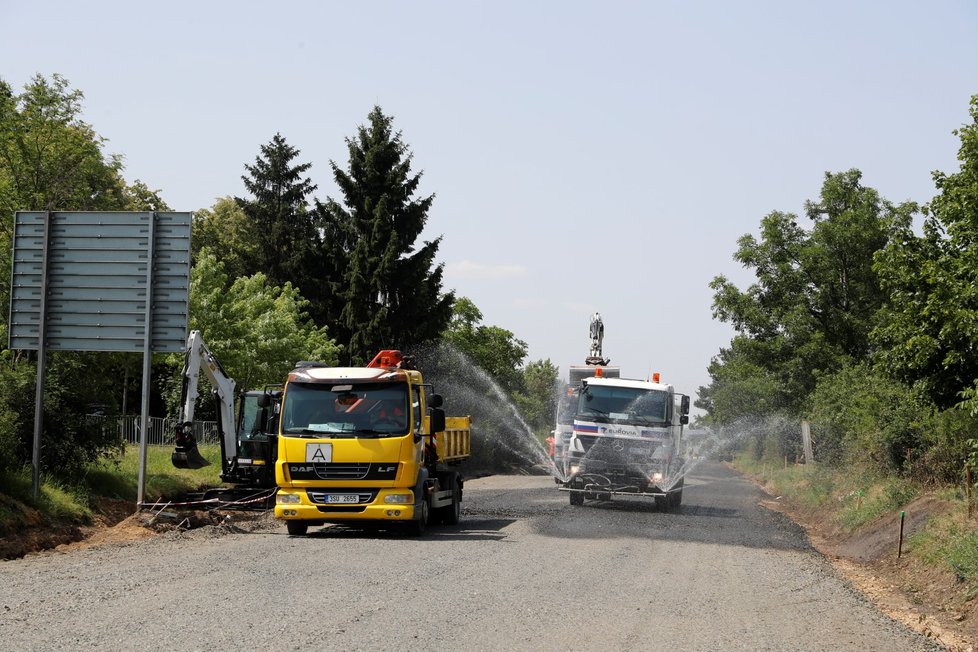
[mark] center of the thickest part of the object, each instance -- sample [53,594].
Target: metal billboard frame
[99,281]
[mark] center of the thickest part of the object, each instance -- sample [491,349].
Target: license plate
[342,498]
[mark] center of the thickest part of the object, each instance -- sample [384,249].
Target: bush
[861,417]
[944,447]
[69,441]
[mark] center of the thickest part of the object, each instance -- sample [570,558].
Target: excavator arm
[199,359]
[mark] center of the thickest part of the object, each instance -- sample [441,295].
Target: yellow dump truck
[360,444]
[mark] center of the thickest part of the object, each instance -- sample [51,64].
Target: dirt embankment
[116,521]
[927,599]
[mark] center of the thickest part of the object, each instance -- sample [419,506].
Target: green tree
[50,159]
[137,196]
[538,400]
[496,350]
[257,330]
[227,232]
[283,240]
[391,290]
[814,303]
[928,331]
[739,386]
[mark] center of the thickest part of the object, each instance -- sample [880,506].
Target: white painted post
[806,438]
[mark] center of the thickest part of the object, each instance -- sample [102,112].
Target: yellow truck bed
[455,444]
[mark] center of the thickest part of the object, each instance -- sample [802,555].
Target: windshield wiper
[373,432]
[309,433]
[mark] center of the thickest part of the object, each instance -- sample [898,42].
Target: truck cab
[361,444]
[625,440]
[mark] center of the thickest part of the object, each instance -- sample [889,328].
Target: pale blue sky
[585,156]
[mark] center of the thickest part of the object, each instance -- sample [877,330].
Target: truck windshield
[345,409]
[624,405]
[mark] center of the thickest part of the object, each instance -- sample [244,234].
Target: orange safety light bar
[387,358]
[599,372]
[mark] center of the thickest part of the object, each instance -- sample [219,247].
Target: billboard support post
[41,360]
[147,365]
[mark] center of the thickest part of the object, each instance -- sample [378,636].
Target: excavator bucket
[188,458]
[186,454]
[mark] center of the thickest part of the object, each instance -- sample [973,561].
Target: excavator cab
[253,461]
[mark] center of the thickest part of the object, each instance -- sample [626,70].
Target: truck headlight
[399,499]
[655,478]
[287,499]
[574,469]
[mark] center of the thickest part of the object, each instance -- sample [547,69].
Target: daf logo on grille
[618,445]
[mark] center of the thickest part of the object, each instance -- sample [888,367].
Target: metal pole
[900,547]
[41,360]
[967,488]
[147,362]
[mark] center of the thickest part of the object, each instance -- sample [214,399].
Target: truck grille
[342,471]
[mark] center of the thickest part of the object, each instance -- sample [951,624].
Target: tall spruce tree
[390,290]
[290,248]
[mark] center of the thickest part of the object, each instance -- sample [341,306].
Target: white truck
[624,437]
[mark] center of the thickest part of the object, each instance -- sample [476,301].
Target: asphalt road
[524,570]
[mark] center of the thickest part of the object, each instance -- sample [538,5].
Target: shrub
[865,418]
[73,382]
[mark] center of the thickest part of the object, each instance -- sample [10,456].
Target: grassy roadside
[113,478]
[853,500]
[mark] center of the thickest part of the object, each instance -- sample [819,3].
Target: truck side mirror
[684,407]
[684,419]
[264,400]
[435,401]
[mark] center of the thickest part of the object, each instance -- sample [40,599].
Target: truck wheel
[676,497]
[451,514]
[577,498]
[675,500]
[420,522]
[296,528]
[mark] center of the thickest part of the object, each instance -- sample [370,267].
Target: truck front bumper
[313,505]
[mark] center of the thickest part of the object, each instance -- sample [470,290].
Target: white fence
[160,431]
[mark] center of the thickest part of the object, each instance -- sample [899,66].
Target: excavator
[249,444]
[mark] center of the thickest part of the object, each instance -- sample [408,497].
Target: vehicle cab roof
[627,382]
[326,374]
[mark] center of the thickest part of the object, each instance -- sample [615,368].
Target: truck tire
[451,514]
[296,528]
[420,523]
[577,498]
[676,497]
[675,500]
